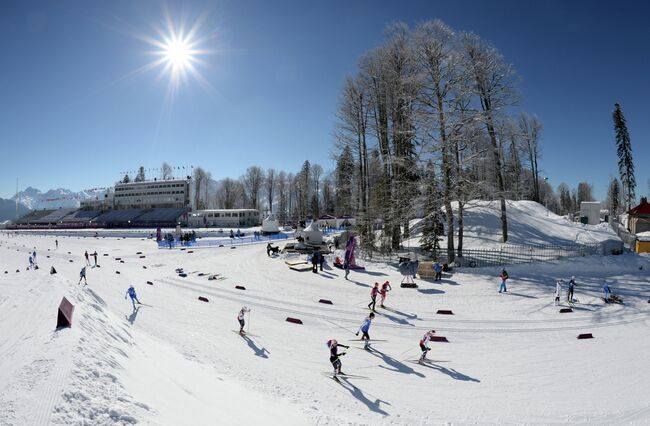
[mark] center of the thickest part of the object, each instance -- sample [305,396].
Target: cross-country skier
[240,318]
[95,256]
[373,297]
[569,293]
[364,328]
[423,344]
[87,259]
[335,357]
[346,267]
[31,262]
[607,291]
[385,288]
[558,291]
[131,293]
[34,256]
[438,268]
[504,277]
[82,275]
[56,242]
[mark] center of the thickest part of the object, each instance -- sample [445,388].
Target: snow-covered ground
[529,223]
[511,358]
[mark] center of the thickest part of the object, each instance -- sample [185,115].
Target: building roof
[641,209]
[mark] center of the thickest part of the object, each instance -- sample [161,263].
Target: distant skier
[423,344]
[373,297]
[31,262]
[364,328]
[321,260]
[607,291]
[87,259]
[240,318]
[82,276]
[346,267]
[34,257]
[335,357]
[268,249]
[437,267]
[558,291]
[569,294]
[56,242]
[314,261]
[131,293]
[504,277]
[95,256]
[385,288]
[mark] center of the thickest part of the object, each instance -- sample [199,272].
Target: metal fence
[507,254]
[225,242]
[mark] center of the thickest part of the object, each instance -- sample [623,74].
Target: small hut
[270,225]
[312,234]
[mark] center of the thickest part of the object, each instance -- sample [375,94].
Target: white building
[590,212]
[224,218]
[174,193]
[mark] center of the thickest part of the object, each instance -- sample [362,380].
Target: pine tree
[624,151]
[431,230]
[140,176]
[613,198]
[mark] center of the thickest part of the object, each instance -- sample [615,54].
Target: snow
[529,223]
[511,358]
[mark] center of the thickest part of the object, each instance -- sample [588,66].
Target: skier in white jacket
[558,291]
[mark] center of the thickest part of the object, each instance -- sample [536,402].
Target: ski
[342,376]
[370,340]
[244,333]
[426,361]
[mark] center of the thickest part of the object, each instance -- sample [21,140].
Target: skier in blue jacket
[607,291]
[134,298]
[365,327]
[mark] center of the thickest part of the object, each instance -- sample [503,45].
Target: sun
[178,53]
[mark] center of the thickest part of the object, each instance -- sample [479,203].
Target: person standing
[346,267]
[335,357]
[31,262]
[87,259]
[437,267]
[504,277]
[314,261]
[558,291]
[240,318]
[385,288]
[373,297]
[423,345]
[569,294]
[607,291]
[95,256]
[82,276]
[364,328]
[321,260]
[34,256]
[131,293]
[56,242]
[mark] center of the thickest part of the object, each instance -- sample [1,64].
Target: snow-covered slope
[511,358]
[529,223]
[34,199]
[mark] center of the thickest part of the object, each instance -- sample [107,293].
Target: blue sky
[73,114]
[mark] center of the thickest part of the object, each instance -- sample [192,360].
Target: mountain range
[34,199]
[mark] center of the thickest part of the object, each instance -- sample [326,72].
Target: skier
[134,297]
[558,291]
[504,277]
[385,288]
[373,297]
[321,260]
[569,294]
[314,261]
[438,268]
[268,249]
[95,256]
[423,344]
[240,318]
[335,357]
[87,259]
[31,262]
[607,291]
[34,256]
[346,267]
[57,244]
[82,276]
[364,328]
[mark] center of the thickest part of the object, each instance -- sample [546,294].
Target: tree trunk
[499,176]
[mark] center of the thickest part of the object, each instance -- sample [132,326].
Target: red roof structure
[641,209]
